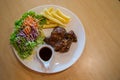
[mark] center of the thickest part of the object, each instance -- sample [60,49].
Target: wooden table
[101,56]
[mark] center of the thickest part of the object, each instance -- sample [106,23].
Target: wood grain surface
[101,56]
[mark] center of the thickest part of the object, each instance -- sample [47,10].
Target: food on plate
[53,19]
[71,35]
[56,16]
[27,33]
[49,26]
[50,9]
[60,13]
[60,39]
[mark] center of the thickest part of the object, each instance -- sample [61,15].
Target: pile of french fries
[55,18]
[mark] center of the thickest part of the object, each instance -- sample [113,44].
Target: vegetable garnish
[28,33]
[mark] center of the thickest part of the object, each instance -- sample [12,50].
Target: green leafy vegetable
[43,21]
[21,41]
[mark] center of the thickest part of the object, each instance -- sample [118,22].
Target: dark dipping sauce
[45,53]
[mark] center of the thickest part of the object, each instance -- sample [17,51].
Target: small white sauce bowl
[46,64]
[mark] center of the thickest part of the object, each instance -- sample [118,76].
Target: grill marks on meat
[58,33]
[72,36]
[60,39]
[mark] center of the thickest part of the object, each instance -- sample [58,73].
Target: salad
[27,33]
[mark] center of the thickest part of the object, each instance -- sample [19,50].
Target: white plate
[61,61]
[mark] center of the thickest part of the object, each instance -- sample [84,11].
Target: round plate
[61,61]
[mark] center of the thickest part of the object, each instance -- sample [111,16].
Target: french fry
[50,22]
[50,9]
[53,19]
[47,12]
[62,15]
[49,26]
[59,18]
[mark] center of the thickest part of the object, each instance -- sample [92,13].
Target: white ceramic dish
[46,63]
[61,61]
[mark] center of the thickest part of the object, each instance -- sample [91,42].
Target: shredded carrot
[30,21]
[27,29]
